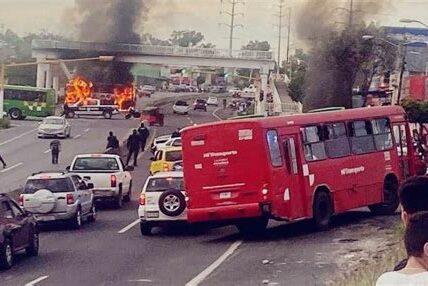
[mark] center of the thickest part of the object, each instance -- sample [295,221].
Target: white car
[172,142]
[162,201]
[212,100]
[158,141]
[181,107]
[111,178]
[149,88]
[54,126]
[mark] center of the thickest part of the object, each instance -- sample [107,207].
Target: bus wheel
[322,210]
[107,114]
[15,113]
[252,227]
[391,201]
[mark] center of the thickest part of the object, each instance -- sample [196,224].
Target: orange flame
[78,90]
[124,96]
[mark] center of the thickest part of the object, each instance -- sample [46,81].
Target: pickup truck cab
[92,108]
[111,179]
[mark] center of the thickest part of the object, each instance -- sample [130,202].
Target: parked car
[212,100]
[218,89]
[200,104]
[159,141]
[177,166]
[162,201]
[58,196]
[112,180]
[149,88]
[18,231]
[54,126]
[173,142]
[235,92]
[164,159]
[181,107]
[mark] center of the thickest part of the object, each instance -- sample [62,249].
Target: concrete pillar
[48,83]
[55,85]
[41,69]
[208,78]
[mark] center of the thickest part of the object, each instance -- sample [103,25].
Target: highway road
[112,251]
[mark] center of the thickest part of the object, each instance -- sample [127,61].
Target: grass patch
[4,123]
[367,274]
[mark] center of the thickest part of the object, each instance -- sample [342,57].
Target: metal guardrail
[153,50]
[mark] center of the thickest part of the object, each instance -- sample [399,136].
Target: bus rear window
[274,149]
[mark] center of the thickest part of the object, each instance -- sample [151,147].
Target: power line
[232,24]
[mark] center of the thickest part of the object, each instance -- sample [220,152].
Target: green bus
[23,101]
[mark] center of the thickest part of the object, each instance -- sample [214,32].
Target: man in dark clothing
[144,134]
[3,162]
[55,149]
[133,145]
[413,199]
[112,143]
[176,133]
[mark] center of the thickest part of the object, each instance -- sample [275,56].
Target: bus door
[403,148]
[292,195]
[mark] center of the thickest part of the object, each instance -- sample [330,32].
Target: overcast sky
[26,16]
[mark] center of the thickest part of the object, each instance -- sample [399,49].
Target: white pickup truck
[111,179]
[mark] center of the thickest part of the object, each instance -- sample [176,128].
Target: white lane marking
[11,167]
[129,226]
[77,136]
[86,130]
[17,137]
[210,269]
[35,281]
[47,151]
[215,115]
[141,280]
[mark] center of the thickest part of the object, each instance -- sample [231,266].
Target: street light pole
[402,69]
[2,76]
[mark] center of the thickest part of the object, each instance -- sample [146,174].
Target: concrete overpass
[149,54]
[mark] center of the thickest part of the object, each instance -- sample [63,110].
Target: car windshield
[172,156]
[200,100]
[181,103]
[54,121]
[96,164]
[162,184]
[61,185]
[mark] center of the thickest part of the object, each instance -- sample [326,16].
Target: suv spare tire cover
[43,201]
[172,202]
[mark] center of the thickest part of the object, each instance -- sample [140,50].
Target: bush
[4,123]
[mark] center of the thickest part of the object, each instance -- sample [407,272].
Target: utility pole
[280,16]
[289,34]
[232,24]
[351,13]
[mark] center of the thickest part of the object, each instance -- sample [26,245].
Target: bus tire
[15,113]
[107,114]
[252,227]
[391,201]
[322,210]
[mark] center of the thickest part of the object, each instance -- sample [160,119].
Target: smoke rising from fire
[325,27]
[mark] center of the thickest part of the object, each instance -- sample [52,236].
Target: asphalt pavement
[112,251]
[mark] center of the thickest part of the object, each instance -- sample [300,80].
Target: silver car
[58,196]
[54,126]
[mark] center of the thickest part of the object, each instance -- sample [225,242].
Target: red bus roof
[395,112]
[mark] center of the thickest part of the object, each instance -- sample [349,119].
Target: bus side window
[361,137]
[274,149]
[382,134]
[337,142]
[290,155]
[313,143]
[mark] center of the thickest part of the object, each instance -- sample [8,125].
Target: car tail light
[142,199]
[165,167]
[21,200]
[70,199]
[113,181]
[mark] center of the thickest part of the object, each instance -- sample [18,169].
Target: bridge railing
[154,50]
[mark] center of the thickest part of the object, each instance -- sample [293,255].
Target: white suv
[58,196]
[162,201]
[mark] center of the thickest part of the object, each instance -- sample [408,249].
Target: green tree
[257,46]
[186,38]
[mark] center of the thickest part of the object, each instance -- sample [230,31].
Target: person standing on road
[112,143]
[133,145]
[144,134]
[55,149]
[176,133]
[3,162]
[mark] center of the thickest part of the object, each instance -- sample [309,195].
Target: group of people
[413,270]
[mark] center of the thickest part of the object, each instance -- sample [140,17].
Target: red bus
[296,167]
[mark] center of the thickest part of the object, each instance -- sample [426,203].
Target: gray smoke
[336,50]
